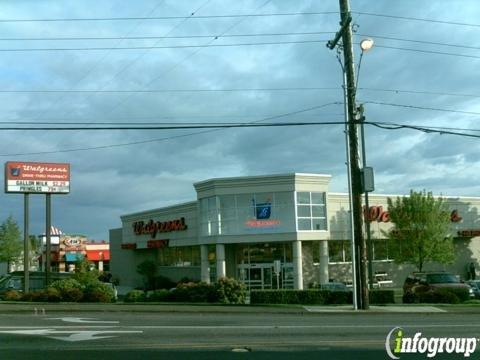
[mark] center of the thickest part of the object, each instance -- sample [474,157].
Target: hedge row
[67,290]
[226,291]
[438,296]
[316,297]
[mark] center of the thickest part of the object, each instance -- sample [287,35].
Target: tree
[10,241]
[148,269]
[84,273]
[421,229]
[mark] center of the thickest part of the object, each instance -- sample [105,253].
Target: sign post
[37,178]
[26,260]
[277,269]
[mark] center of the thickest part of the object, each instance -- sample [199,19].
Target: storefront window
[263,253]
[209,216]
[339,251]
[179,256]
[384,249]
[311,211]
[239,214]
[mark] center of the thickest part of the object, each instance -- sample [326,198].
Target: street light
[366,45]
[345,33]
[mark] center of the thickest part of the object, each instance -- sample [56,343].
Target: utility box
[368,182]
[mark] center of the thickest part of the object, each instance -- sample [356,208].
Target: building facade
[67,250]
[274,231]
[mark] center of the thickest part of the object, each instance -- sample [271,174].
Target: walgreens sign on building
[35,177]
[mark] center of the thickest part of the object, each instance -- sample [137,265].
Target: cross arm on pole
[332,43]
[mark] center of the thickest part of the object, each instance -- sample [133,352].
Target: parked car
[14,281]
[114,288]
[334,286]
[421,282]
[475,285]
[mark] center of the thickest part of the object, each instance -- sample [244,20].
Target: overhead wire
[297,112]
[167,37]
[423,107]
[221,16]
[410,18]
[184,59]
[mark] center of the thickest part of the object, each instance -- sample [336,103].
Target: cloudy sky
[178,61]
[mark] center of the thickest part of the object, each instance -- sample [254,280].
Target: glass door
[267,277]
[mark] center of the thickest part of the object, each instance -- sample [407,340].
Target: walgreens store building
[271,231]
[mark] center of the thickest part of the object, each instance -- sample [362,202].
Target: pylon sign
[37,178]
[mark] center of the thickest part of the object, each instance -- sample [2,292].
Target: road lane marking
[75,335]
[248,327]
[83,320]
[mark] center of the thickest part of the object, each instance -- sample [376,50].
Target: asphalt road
[128,335]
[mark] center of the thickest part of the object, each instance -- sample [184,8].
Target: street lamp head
[366,44]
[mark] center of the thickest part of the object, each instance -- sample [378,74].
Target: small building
[285,231]
[66,250]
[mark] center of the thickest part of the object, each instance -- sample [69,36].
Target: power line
[436,93]
[186,58]
[224,16]
[210,45]
[141,55]
[423,108]
[423,42]
[165,127]
[425,129]
[162,47]
[427,51]
[153,91]
[96,64]
[189,126]
[166,37]
[382,125]
[269,118]
[417,19]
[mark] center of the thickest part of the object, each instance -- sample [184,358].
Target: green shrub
[159,295]
[84,274]
[27,296]
[338,297]
[439,296]
[52,295]
[229,291]
[72,295]
[12,295]
[286,296]
[98,292]
[194,292]
[382,296]
[305,297]
[162,282]
[49,294]
[134,296]
[35,296]
[70,289]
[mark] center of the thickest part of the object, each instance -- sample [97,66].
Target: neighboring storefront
[271,231]
[67,250]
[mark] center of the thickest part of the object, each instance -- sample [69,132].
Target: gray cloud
[110,182]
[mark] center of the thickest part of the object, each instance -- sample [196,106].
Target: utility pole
[345,34]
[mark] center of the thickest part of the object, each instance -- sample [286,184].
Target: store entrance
[263,277]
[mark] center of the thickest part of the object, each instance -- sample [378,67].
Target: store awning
[97,255]
[72,257]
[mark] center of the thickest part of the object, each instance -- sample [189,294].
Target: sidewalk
[6,308]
